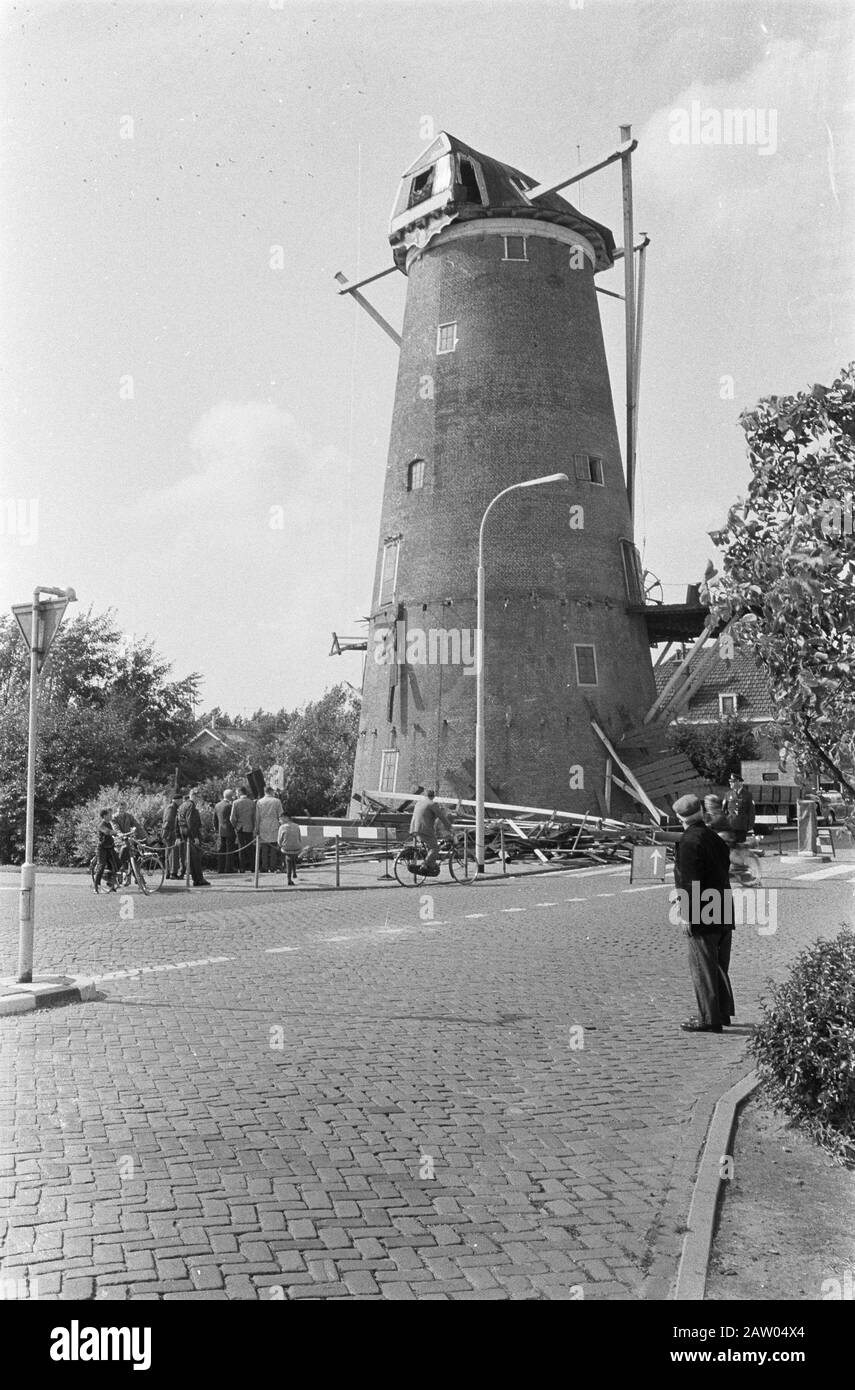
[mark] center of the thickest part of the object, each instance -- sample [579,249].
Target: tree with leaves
[715,750]
[317,754]
[107,714]
[786,579]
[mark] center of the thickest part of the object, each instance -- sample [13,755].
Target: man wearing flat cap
[702,880]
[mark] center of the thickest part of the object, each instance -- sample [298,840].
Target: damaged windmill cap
[450,182]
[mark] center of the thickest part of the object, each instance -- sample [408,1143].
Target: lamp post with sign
[39,623]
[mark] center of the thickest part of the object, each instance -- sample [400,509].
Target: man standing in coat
[243,823]
[703,907]
[190,829]
[268,818]
[225,833]
[172,840]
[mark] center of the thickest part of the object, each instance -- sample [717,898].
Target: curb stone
[697,1245]
[44,994]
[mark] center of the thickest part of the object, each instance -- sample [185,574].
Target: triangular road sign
[49,619]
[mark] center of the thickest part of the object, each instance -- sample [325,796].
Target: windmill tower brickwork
[502,377]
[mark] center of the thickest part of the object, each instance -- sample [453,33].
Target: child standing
[290,844]
[106,849]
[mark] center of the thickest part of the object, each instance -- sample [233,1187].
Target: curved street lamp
[479,670]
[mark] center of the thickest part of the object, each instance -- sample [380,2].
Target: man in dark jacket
[225,833]
[739,808]
[190,829]
[704,908]
[243,823]
[175,866]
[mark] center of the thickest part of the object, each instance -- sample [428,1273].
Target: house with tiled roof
[732,687]
[221,739]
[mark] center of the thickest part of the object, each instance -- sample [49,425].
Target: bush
[805,1045]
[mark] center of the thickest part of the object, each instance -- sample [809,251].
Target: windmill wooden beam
[360,299]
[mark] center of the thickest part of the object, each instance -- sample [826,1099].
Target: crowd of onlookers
[239,821]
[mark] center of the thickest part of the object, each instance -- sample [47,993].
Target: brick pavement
[388,1108]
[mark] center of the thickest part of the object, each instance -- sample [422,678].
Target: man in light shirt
[426,816]
[268,818]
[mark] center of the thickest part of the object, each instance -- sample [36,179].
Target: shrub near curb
[805,1045]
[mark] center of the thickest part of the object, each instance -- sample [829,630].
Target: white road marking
[648,888]
[605,895]
[829,872]
[513,909]
[575,900]
[546,904]
[276,950]
[471,915]
[135,970]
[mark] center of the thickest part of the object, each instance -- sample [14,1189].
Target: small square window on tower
[446,337]
[589,468]
[586,665]
[415,475]
[515,248]
[727,704]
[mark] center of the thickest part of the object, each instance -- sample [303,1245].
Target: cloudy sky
[203,423]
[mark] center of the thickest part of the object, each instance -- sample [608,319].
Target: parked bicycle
[457,851]
[146,867]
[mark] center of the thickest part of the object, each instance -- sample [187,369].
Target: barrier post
[502,849]
[338,861]
[257,858]
[187,864]
[385,873]
[465,852]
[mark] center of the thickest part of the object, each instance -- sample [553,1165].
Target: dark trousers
[291,866]
[106,861]
[709,961]
[192,848]
[269,858]
[175,862]
[245,854]
[226,857]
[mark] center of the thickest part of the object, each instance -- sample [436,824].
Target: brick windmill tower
[502,378]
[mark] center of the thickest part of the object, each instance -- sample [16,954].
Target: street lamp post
[479,670]
[26,905]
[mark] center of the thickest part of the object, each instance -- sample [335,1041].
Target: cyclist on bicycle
[739,810]
[125,824]
[426,816]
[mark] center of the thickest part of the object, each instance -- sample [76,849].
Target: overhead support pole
[639,324]
[585,171]
[369,308]
[629,311]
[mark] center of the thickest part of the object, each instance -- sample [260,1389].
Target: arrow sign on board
[648,863]
[49,618]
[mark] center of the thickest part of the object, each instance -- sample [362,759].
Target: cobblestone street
[324,1096]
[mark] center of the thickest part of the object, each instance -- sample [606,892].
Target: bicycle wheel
[409,867]
[149,871]
[462,864]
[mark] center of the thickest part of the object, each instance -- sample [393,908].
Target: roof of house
[228,737]
[741,675]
